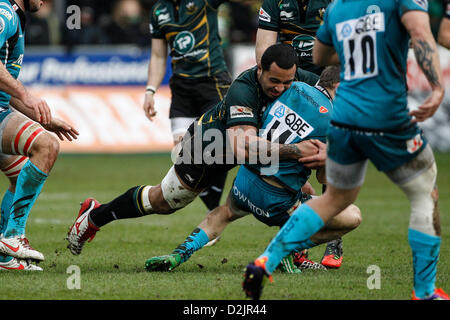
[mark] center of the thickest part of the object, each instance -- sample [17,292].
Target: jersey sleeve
[306,76]
[323,34]
[155,31]
[268,17]
[409,5]
[240,103]
[8,24]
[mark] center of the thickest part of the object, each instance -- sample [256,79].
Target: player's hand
[308,189]
[41,110]
[306,148]
[149,106]
[317,160]
[429,107]
[62,129]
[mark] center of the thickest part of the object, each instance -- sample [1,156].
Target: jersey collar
[324,91]
[20,13]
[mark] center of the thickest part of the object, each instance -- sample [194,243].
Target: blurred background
[94,75]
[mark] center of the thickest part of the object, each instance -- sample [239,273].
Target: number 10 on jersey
[358,37]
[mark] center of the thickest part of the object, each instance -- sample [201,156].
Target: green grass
[112,266]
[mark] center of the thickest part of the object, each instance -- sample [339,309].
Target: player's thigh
[346,163]
[19,134]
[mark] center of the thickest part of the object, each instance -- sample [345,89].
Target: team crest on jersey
[191,7]
[422,3]
[263,15]
[322,109]
[240,112]
[279,112]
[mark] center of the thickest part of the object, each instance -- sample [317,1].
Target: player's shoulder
[7,11]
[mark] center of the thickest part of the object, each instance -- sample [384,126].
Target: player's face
[35,5]
[276,80]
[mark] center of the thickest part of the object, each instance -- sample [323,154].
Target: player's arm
[324,55]
[264,39]
[33,107]
[58,126]
[444,33]
[156,72]
[418,26]
[248,145]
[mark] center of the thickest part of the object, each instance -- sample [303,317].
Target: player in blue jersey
[27,150]
[272,192]
[371,121]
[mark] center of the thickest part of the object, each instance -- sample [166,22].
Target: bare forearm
[10,85]
[156,71]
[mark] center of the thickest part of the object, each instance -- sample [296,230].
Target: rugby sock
[294,234]
[6,207]
[212,195]
[126,206]
[28,187]
[195,241]
[425,251]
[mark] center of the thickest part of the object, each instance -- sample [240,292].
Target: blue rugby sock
[195,241]
[425,251]
[29,184]
[294,235]
[5,207]
[7,202]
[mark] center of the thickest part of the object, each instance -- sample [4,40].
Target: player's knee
[47,146]
[158,203]
[174,193]
[355,217]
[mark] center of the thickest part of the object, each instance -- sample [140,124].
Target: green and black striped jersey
[190,27]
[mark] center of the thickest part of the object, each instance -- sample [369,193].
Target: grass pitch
[112,266]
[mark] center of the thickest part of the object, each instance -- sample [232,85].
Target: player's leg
[417,179]
[211,227]
[165,198]
[210,92]
[21,136]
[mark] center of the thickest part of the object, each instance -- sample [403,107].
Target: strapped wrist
[150,89]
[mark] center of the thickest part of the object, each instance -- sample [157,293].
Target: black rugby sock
[212,195]
[124,206]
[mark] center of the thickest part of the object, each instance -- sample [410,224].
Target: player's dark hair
[329,76]
[282,54]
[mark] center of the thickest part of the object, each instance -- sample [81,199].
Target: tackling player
[235,120]
[296,23]
[27,151]
[301,113]
[371,121]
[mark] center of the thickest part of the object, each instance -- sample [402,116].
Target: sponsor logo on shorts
[414,144]
[240,112]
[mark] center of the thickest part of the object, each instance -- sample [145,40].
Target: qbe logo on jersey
[285,125]
[358,37]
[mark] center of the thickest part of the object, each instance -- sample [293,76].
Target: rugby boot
[287,265]
[302,262]
[333,255]
[19,247]
[255,277]
[438,294]
[163,263]
[16,264]
[82,230]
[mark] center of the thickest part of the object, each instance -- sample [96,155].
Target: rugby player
[27,151]
[371,121]
[301,113]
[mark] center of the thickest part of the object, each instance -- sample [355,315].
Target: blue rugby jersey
[372,45]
